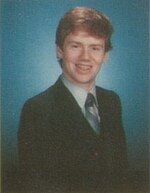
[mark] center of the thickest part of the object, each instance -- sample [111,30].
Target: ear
[59,52]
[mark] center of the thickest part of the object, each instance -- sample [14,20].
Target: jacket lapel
[67,106]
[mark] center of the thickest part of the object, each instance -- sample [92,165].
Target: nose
[85,55]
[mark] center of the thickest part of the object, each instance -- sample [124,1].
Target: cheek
[71,56]
[69,61]
[99,60]
[97,65]
[97,68]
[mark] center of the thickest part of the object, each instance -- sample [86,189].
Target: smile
[83,67]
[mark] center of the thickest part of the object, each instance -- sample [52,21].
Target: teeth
[83,67]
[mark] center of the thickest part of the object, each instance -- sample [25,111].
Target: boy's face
[82,57]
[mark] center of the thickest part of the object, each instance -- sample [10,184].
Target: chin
[85,83]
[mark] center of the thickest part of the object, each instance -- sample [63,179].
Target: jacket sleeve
[30,152]
[26,148]
[121,157]
[121,146]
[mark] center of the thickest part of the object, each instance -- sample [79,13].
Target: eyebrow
[98,45]
[76,42]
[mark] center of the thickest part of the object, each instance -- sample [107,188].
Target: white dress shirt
[80,94]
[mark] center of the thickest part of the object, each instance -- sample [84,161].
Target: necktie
[91,113]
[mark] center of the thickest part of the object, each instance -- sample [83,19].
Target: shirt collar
[79,93]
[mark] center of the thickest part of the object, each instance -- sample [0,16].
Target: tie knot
[90,100]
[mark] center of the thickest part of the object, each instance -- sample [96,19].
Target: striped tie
[91,113]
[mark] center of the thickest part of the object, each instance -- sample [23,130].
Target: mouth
[83,67]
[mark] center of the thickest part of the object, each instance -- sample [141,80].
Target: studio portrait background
[29,66]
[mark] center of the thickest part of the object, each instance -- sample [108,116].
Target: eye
[74,46]
[96,48]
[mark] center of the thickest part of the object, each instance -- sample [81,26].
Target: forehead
[84,37]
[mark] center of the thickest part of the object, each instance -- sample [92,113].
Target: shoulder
[107,94]
[41,103]
[41,99]
[108,99]
[46,97]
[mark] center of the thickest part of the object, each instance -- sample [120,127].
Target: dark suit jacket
[58,149]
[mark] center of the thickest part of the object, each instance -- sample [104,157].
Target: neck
[85,86]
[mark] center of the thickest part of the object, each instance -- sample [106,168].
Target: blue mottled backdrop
[29,64]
